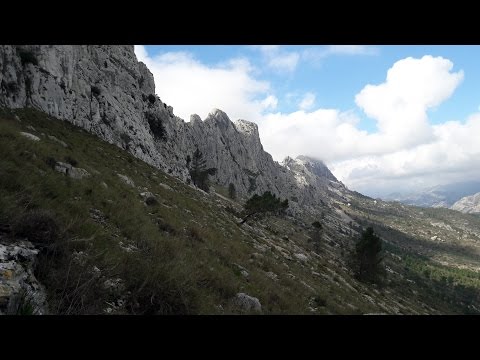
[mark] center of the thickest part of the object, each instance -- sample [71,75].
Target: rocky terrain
[468,204]
[119,228]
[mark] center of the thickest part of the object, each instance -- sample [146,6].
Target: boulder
[30,136]
[126,180]
[247,303]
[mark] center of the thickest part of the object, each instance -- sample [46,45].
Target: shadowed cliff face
[106,91]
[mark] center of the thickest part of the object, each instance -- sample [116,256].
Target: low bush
[38,226]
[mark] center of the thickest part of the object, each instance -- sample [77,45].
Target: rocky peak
[247,127]
[317,167]
[195,119]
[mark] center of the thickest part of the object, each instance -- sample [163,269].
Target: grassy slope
[187,248]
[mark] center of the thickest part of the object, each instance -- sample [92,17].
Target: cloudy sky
[383,118]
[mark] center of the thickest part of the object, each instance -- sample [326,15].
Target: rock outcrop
[468,204]
[105,90]
[20,292]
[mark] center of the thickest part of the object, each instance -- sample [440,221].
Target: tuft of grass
[38,226]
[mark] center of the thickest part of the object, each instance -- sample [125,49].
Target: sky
[383,118]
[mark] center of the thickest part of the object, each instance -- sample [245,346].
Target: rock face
[20,292]
[105,90]
[468,204]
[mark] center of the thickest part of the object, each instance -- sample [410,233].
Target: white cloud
[270,102]
[278,59]
[406,151]
[141,53]
[352,49]
[453,156]
[400,104]
[307,101]
[284,62]
[318,53]
[192,87]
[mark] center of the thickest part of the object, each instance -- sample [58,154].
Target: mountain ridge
[107,91]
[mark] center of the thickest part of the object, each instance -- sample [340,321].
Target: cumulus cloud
[192,87]
[405,152]
[452,157]
[400,104]
[307,101]
[405,147]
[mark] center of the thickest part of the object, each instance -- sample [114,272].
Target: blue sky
[299,95]
[337,78]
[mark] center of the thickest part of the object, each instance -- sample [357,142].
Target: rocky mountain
[88,227]
[437,196]
[106,91]
[468,204]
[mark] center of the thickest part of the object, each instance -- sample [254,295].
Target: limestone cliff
[105,90]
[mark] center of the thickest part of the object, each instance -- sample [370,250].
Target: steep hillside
[106,91]
[131,239]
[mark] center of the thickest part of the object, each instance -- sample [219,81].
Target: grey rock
[71,171]
[30,136]
[247,303]
[53,138]
[148,198]
[126,180]
[272,275]
[301,257]
[165,186]
[19,289]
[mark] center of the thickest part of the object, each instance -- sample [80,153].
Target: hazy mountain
[437,196]
[468,204]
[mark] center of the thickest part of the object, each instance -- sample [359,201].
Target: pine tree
[261,205]
[316,235]
[231,191]
[368,256]
[198,171]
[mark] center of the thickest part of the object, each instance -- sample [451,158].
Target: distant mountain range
[437,196]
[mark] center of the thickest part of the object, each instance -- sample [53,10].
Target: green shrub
[231,191]
[71,161]
[156,126]
[150,201]
[194,234]
[38,226]
[267,203]
[51,162]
